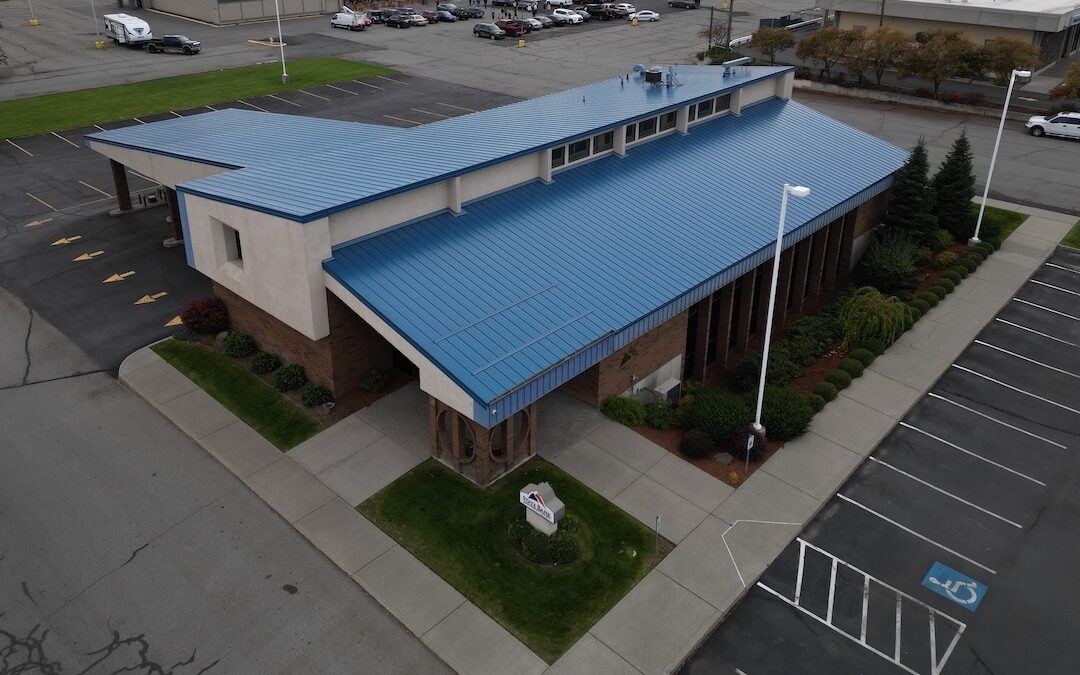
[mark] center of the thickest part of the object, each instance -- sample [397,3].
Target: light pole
[993,158]
[281,44]
[758,431]
[33,19]
[98,43]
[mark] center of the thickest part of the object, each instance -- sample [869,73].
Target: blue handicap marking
[960,588]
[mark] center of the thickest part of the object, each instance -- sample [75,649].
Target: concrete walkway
[725,537]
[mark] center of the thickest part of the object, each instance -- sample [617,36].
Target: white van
[127,30]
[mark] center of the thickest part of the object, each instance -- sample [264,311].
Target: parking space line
[41,201]
[211,107]
[390,79]
[832,591]
[138,120]
[1040,334]
[99,191]
[994,419]
[1025,358]
[353,93]
[428,112]
[285,100]
[402,119]
[74,145]
[252,105]
[1061,267]
[1017,389]
[899,611]
[799,578]
[310,94]
[1056,288]
[175,113]
[945,492]
[366,84]
[914,533]
[1047,309]
[455,107]
[21,147]
[99,127]
[954,446]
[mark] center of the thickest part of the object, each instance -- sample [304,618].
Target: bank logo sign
[533,500]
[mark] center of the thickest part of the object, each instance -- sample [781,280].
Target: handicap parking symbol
[960,588]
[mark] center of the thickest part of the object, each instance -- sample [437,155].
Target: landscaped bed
[464,534]
[1073,237]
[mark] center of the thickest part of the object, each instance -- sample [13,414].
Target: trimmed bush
[838,378]
[970,262]
[889,263]
[962,271]
[852,367]
[825,390]
[659,415]
[718,413]
[781,370]
[920,305]
[206,316]
[941,240]
[314,394]
[289,377]
[537,546]
[697,443]
[863,356]
[944,283]
[986,248]
[375,382]
[938,292]
[816,402]
[785,413]
[951,275]
[945,260]
[239,345]
[185,334]
[518,529]
[930,299]
[914,314]
[869,314]
[978,254]
[923,256]
[873,345]
[264,364]
[624,410]
[564,546]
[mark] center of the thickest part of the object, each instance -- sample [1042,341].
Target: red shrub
[206,316]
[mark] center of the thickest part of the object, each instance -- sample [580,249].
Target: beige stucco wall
[203,10]
[166,170]
[500,176]
[977,34]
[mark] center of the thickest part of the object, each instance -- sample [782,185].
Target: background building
[233,11]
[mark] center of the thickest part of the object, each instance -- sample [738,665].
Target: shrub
[624,410]
[921,305]
[960,270]
[869,314]
[817,404]
[718,413]
[785,413]
[951,275]
[930,299]
[537,546]
[889,264]
[185,334]
[970,262]
[941,239]
[239,345]
[986,248]
[852,367]
[914,314]
[313,394]
[564,546]
[863,356]
[938,292]
[289,377]
[781,370]
[873,345]
[923,256]
[659,415]
[811,336]
[945,260]
[375,382]
[683,403]
[264,363]
[944,283]
[838,378]
[697,443]
[826,390]
[518,529]
[977,254]
[206,316]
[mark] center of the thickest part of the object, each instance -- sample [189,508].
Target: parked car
[1066,124]
[570,15]
[511,27]
[502,3]
[378,15]
[600,12]
[534,23]
[351,20]
[685,4]
[560,3]
[644,15]
[544,21]
[177,44]
[624,8]
[527,5]
[557,20]
[472,12]
[417,19]
[398,20]
[489,31]
[446,6]
[582,12]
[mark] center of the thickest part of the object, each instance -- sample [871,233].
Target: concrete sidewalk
[725,537]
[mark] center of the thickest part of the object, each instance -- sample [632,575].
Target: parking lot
[952,549]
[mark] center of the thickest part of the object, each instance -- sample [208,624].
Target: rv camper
[127,30]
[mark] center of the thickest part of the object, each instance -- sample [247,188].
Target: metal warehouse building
[624,243]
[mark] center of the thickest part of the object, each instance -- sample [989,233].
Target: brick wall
[356,347]
[585,386]
[870,214]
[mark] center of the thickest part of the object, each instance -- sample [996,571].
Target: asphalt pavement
[952,549]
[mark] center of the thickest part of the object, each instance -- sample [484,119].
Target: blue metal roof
[532,286]
[314,175]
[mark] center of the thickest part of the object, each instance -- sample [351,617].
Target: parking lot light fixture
[993,157]
[281,43]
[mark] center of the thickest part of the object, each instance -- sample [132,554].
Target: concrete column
[802,258]
[736,102]
[832,254]
[847,240]
[817,261]
[783,284]
[620,141]
[784,86]
[701,339]
[723,326]
[120,182]
[545,165]
[682,119]
[453,194]
[174,218]
[746,306]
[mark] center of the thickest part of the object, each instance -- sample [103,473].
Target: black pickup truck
[685,4]
[180,44]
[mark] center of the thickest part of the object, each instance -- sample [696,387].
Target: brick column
[783,284]
[723,325]
[802,258]
[701,339]
[817,261]
[832,254]
[764,287]
[847,240]
[120,181]
[746,306]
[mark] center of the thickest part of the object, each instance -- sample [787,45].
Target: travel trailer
[127,30]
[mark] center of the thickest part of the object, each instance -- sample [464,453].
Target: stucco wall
[977,34]
[500,176]
[166,170]
[203,10]
[388,212]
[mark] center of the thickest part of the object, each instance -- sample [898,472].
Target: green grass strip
[998,219]
[259,405]
[69,110]
[1073,237]
[460,532]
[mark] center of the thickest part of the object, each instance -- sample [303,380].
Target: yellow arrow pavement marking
[87,256]
[64,241]
[118,277]
[150,298]
[175,321]
[35,223]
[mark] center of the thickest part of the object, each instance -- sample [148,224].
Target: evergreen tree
[954,188]
[912,207]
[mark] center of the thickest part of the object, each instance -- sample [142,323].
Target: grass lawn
[275,417]
[460,532]
[68,110]
[1073,237]
[1006,220]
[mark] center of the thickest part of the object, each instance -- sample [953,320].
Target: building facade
[237,11]
[621,241]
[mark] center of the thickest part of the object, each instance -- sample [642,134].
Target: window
[693,113]
[647,127]
[604,141]
[558,157]
[631,132]
[579,150]
[233,250]
[705,108]
[723,103]
[667,121]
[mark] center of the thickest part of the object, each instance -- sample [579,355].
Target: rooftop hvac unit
[654,75]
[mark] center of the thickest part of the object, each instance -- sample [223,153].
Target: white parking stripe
[1017,389]
[390,79]
[367,84]
[994,419]
[945,492]
[428,112]
[1062,267]
[74,145]
[1056,288]
[176,113]
[100,128]
[1025,358]
[914,533]
[455,107]
[211,107]
[21,147]
[402,119]
[954,446]
[285,100]
[344,90]
[41,201]
[1040,334]
[310,94]
[138,120]
[97,190]
[252,105]
[1047,309]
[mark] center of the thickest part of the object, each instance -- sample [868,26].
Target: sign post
[656,547]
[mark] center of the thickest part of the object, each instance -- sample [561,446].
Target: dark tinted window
[723,103]
[647,127]
[631,132]
[604,141]
[705,108]
[558,156]
[579,150]
[667,121]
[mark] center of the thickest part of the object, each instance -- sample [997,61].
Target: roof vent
[653,75]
